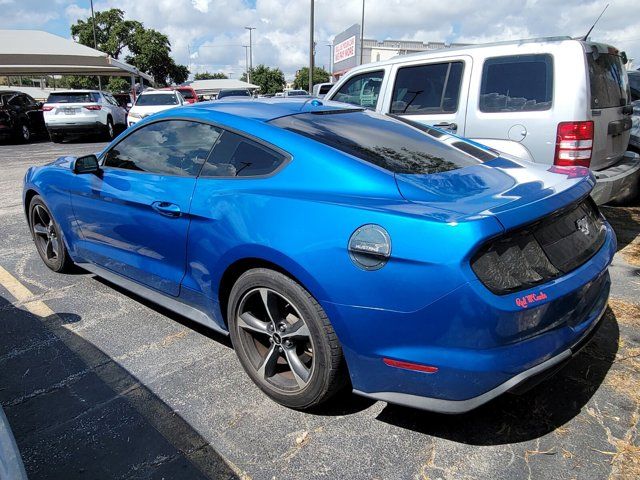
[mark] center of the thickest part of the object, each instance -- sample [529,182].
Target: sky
[208,35]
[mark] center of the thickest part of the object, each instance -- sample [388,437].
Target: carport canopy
[29,52]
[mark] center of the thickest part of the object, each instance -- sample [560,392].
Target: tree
[118,84]
[210,76]
[320,75]
[270,80]
[149,50]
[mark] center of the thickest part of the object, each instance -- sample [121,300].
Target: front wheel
[284,339]
[110,131]
[48,237]
[24,134]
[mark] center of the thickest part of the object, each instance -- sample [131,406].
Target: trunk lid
[513,191]
[609,93]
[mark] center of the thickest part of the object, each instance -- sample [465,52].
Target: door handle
[166,208]
[449,126]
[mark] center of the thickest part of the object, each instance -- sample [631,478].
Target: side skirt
[175,305]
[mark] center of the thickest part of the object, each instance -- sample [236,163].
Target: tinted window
[386,142]
[73,97]
[18,101]
[425,89]
[233,93]
[634,84]
[324,89]
[520,83]
[297,93]
[170,148]
[608,80]
[362,90]
[157,99]
[186,93]
[237,156]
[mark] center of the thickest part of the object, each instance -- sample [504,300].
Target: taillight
[92,107]
[47,108]
[574,143]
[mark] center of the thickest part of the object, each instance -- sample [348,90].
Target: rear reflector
[410,366]
[93,107]
[574,143]
[47,108]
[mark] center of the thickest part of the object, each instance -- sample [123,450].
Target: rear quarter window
[607,80]
[517,83]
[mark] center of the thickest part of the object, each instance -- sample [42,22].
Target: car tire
[290,350]
[109,133]
[48,237]
[56,137]
[24,133]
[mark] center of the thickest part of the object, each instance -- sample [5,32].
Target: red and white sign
[345,49]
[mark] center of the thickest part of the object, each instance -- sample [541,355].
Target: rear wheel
[48,237]
[110,132]
[284,339]
[24,133]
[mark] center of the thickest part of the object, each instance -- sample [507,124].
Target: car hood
[515,192]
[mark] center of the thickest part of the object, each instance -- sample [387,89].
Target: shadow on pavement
[625,222]
[513,419]
[76,413]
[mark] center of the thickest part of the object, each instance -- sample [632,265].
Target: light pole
[362,34]
[250,53]
[246,61]
[330,59]
[95,41]
[311,49]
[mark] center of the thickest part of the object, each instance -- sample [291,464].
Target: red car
[188,93]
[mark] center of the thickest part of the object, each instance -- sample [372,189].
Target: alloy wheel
[276,339]
[26,133]
[110,130]
[45,233]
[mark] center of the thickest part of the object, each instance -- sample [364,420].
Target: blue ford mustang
[339,247]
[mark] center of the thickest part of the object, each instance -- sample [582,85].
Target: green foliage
[78,82]
[149,49]
[320,75]
[210,76]
[270,80]
[119,84]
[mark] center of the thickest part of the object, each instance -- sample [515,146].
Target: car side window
[173,147]
[237,156]
[17,101]
[427,89]
[517,83]
[362,90]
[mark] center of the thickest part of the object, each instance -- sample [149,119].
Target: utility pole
[311,49]
[330,59]
[95,41]
[250,54]
[246,61]
[362,34]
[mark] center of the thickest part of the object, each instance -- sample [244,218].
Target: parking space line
[23,295]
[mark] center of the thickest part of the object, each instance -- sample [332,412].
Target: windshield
[389,143]
[73,97]
[156,99]
[234,93]
[296,93]
[608,80]
[186,93]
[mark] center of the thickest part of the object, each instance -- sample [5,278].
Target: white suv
[82,112]
[153,101]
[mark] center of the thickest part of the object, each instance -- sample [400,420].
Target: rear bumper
[94,127]
[618,182]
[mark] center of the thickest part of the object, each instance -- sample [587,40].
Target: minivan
[555,100]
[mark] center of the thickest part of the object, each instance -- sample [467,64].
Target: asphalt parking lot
[97,383]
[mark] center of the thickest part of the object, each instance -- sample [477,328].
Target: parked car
[432,271]
[76,112]
[20,116]
[233,92]
[321,89]
[152,101]
[124,99]
[550,101]
[295,93]
[634,85]
[188,93]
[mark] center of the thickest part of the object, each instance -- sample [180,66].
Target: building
[346,49]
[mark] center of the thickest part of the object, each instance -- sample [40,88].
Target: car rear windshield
[73,97]
[608,80]
[186,93]
[324,89]
[157,99]
[390,143]
[234,93]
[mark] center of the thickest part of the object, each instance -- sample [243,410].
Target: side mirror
[86,164]
[129,105]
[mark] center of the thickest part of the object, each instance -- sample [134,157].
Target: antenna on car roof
[594,23]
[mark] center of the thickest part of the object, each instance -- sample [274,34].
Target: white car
[71,112]
[153,101]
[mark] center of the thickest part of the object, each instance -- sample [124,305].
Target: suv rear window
[608,80]
[517,83]
[383,141]
[157,99]
[81,97]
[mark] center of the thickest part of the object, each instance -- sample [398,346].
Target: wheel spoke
[48,249]
[249,322]
[40,229]
[298,329]
[268,366]
[300,372]
[43,215]
[270,305]
[55,247]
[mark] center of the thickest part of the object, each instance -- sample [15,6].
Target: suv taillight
[92,107]
[47,108]
[574,143]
